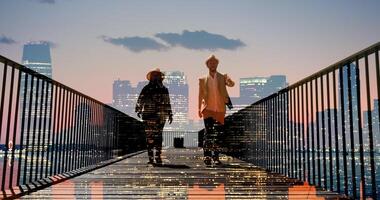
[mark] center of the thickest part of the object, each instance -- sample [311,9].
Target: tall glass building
[36,56]
[176,82]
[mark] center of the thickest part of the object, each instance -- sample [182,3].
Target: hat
[211,57]
[157,70]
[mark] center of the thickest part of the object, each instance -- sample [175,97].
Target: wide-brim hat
[158,71]
[211,57]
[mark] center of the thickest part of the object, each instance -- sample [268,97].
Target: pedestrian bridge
[316,139]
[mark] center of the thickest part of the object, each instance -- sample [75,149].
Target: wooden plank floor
[182,176]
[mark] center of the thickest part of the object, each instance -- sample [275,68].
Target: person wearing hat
[212,101]
[153,106]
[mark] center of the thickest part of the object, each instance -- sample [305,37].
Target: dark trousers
[213,130]
[153,130]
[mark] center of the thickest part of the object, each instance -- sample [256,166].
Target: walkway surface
[182,176]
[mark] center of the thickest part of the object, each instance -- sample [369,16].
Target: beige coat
[222,83]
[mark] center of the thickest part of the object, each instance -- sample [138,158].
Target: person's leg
[149,139]
[219,130]
[158,142]
[207,137]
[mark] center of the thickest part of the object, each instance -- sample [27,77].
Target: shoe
[217,162]
[158,161]
[150,162]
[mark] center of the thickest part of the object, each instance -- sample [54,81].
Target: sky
[95,42]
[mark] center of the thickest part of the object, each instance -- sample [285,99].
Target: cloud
[46,1]
[200,40]
[135,44]
[6,40]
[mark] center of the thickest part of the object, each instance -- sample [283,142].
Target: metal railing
[48,129]
[323,129]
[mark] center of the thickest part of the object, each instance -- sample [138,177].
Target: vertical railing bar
[44,132]
[16,116]
[353,170]
[96,135]
[273,145]
[303,132]
[291,133]
[87,131]
[262,134]
[358,94]
[312,130]
[281,132]
[4,173]
[1,114]
[299,176]
[57,102]
[307,132]
[336,134]
[277,138]
[28,128]
[39,130]
[92,133]
[329,130]
[82,131]
[323,133]
[288,110]
[318,135]
[34,130]
[59,132]
[49,129]
[269,149]
[74,134]
[294,133]
[68,131]
[22,129]
[341,82]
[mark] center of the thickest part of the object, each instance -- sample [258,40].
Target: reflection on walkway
[304,191]
[197,192]
[183,176]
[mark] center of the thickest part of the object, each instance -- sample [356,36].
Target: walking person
[153,106]
[212,101]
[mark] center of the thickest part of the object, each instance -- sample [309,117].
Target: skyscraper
[176,83]
[36,56]
[253,89]
[124,96]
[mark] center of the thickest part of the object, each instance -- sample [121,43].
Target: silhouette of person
[212,101]
[153,106]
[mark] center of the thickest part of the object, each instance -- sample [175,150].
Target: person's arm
[168,105]
[200,98]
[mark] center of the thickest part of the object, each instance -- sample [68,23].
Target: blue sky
[99,41]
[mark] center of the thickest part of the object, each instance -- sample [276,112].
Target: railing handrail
[50,80]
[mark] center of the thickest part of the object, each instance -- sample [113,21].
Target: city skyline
[291,38]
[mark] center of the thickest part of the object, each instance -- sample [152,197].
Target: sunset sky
[95,42]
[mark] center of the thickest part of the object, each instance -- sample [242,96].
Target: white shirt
[215,100]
